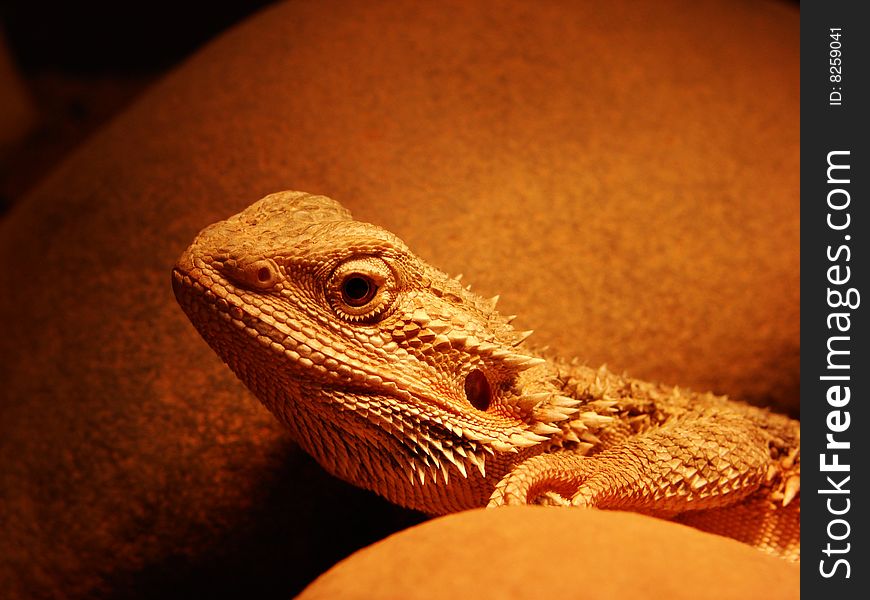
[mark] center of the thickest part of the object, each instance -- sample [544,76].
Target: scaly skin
[398,379]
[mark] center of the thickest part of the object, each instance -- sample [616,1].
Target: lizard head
[392,374]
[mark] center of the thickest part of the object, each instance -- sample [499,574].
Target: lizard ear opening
[477,390]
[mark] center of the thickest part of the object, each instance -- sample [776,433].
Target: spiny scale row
[426,452]
[440,335]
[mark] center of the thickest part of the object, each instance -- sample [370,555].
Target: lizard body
[400,380]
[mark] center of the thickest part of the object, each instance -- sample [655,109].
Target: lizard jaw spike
[527,402]
[493,302]
[792,487]
[542,428]
[532,361]
[551,414]
[521,441]
[426,463]
[447,455]
[503,446]
[522,336]
[603,405]
[566,401]
[584,448]
[590,437]
[444,474]
[408,469]
[570,436]
[527,439]
[460,466]
[593,419]
[486,347]
[578,426]
[559,408]
[455,430]
[413,467]
[473,435]
[521,362]
[479,461]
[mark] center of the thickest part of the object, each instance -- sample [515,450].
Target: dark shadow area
[73,66]
[103,37]
[301,523]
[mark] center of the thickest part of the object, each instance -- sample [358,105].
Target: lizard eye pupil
[361,290]
[477,390]
[357,290]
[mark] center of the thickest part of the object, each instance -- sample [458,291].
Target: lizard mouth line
[335,368]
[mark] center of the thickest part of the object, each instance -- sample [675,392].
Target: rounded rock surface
[520,553]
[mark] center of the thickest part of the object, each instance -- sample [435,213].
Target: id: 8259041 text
[835,67]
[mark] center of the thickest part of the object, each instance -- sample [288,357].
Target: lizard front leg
[687,464]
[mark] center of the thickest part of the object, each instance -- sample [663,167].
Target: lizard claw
[543,479]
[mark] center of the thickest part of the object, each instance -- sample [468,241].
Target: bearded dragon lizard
[397,378]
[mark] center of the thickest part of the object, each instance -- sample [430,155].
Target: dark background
[75,64]
[113,38]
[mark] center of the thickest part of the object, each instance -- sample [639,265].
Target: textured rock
[625,176]
[529,553]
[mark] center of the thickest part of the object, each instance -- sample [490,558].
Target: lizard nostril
[477,390]
[257,275]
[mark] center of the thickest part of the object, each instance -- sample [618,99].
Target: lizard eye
[358,289]
[362,289]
